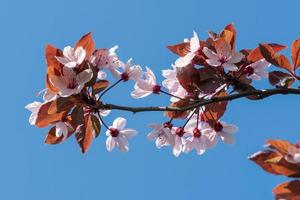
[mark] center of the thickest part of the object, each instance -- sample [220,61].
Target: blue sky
[32,170]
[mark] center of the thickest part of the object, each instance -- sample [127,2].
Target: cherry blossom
[198,139]
[129,71]
[179,140]
[162,134]
[72,57]
[224,57]
[258,70]
[146,86]
[194,47]
[70,82]
[118,136]
[172,84]
[222,130]
[293,155]
[34,107]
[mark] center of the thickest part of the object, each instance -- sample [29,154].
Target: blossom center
[125,76]
[180,131]
[114,132]
[222,59]
[218,127]
[196,133]
[156,89]
[168,125]
[249,70]
[72,83]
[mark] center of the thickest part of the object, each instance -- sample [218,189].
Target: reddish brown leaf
[188,77]
[60,104]
[180,49]
[100,85]
[178,114]
[44,118]
[281,79]
[280,145]
[255,54]
[96,125]
[296,53]
[229,35]
[52,138]
[51,53]
[209,81]
[87,43]
[213,112]
[288,190]
[272,57]
[77,115]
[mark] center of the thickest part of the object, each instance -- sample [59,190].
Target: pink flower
[129,71]
[162,135]
[105,57]
[70,82]
[224,57]
[293,155]
[72,57]
[198,139]
[172,84]
[34,107]
[179,140]
[145,87]
[187,59]
[222,130]
[118,136]
[258,70]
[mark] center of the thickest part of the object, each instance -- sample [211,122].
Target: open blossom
[258,70]
[179,140]
[225,57]
[71,83]
[145,87]
[194,47]
[34,107]
[105,58]
[172,84]
[72,57]
[293,155]
[198,139]
[222,130]
[118,136]
[129,71]
[162,134]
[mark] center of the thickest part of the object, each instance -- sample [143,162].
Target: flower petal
[110,143]
[119,123]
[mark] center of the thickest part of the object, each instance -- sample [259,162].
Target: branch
[259,94]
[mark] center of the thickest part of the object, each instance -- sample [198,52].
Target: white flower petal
[119,123]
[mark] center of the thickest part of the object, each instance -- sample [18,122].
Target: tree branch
[256,95]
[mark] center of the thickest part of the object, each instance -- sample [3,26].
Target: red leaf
[50,54]
[44,118]
[281,79]
[255,54]
[100,85]
[209,80]
[280,145]
[288,190]
[87,43]
[278,60]
[178,114]
[296,53]
[180,49]
[60,104]
[188,77]
[229,35]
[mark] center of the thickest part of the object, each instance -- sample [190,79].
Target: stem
[102,121]
[109,88]
[189,118]
[172,95]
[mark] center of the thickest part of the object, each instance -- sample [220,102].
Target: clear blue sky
[30,169]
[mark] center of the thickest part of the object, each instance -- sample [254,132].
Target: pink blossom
[34,107]
[72,57]
[129,71]
[70,82]
[162,135]
[225,57]
[179,140]
[194,47]
[146,86]
[293,155]
[258,70]
[118,136]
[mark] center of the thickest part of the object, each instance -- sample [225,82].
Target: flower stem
[109,88]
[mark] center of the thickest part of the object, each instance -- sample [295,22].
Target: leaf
[277,60]
[296,53]
[178,114]
[209,80]
[87,43]
[77,115]
[51,52]
[281,79]
[255,54]
[280,145]
[96,125]
[60,104]
[100,85]
[288,190]
[180,49]
[188,78]
[229,35]
[44,118]
[214,111]
[52,138]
